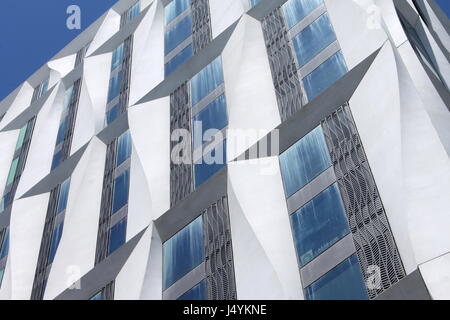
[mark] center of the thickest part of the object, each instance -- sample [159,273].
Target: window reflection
[304,161]
[183,252]
[319,224]
[344,282]
[325,75]
[296,10]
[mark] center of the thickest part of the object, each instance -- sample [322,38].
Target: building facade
[233,149]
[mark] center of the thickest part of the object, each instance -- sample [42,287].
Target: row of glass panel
[4,248]
[176,34]
[211,119]
[321,222]
[117,233]
[312,40]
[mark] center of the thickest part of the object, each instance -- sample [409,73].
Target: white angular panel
[366,33]
[436,274]
[26,228]
[219,21]
[147,69]
[42,147]
[150,131]
[252,105]
[263,247]
[76,251]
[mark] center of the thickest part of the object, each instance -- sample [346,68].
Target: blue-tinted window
[211,163]
[183,252]
[63,196]
[2,272]
[325,75]
[134,11]
[112,114]
[178,60]
[117,235]
[196,293]
[98,296]
[44,88]
[12,171]
[21,138]
[206,81]
[344,282]
[254,2]
[214,116]
[304,161]
[114,86]
[319,224]
[313,39]
[117,57]
[56,237]
[4,203]
[174,9]
[68,97]
[177,34]
[56,159]
[123,148]
[296,10]
[61,131]
[121,186]
[4,248]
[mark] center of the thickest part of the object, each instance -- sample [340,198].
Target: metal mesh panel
[40,277]
[201,24]
[375,244]
[105,208]
[282,63]
[126,74]
[218,252]
[72,116]
[181,180]
[108,291]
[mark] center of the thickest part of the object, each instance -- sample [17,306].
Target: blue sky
[33,31]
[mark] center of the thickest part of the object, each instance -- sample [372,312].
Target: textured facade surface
[233,150]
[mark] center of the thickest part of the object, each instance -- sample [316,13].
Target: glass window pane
[325,75]
[5,202]
[61,131]
[183,252]
[56,159]
[254,2]
[313,39]
[304,161]
[121,186]
[63,196]
[4,249]
[214,116]
[178,60]
[12,171]
[117,235]
[296,10]
[211,163]
[114,86]
[117,57]
[206,81]
[44,88]
[134,11]
[196,293]
[68,97]
[112,114]
[174,9]
[344,282]
[56,237]
[123,148]
[177,34]
[319,224]
[2,272]
[22,134]
[98,296]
